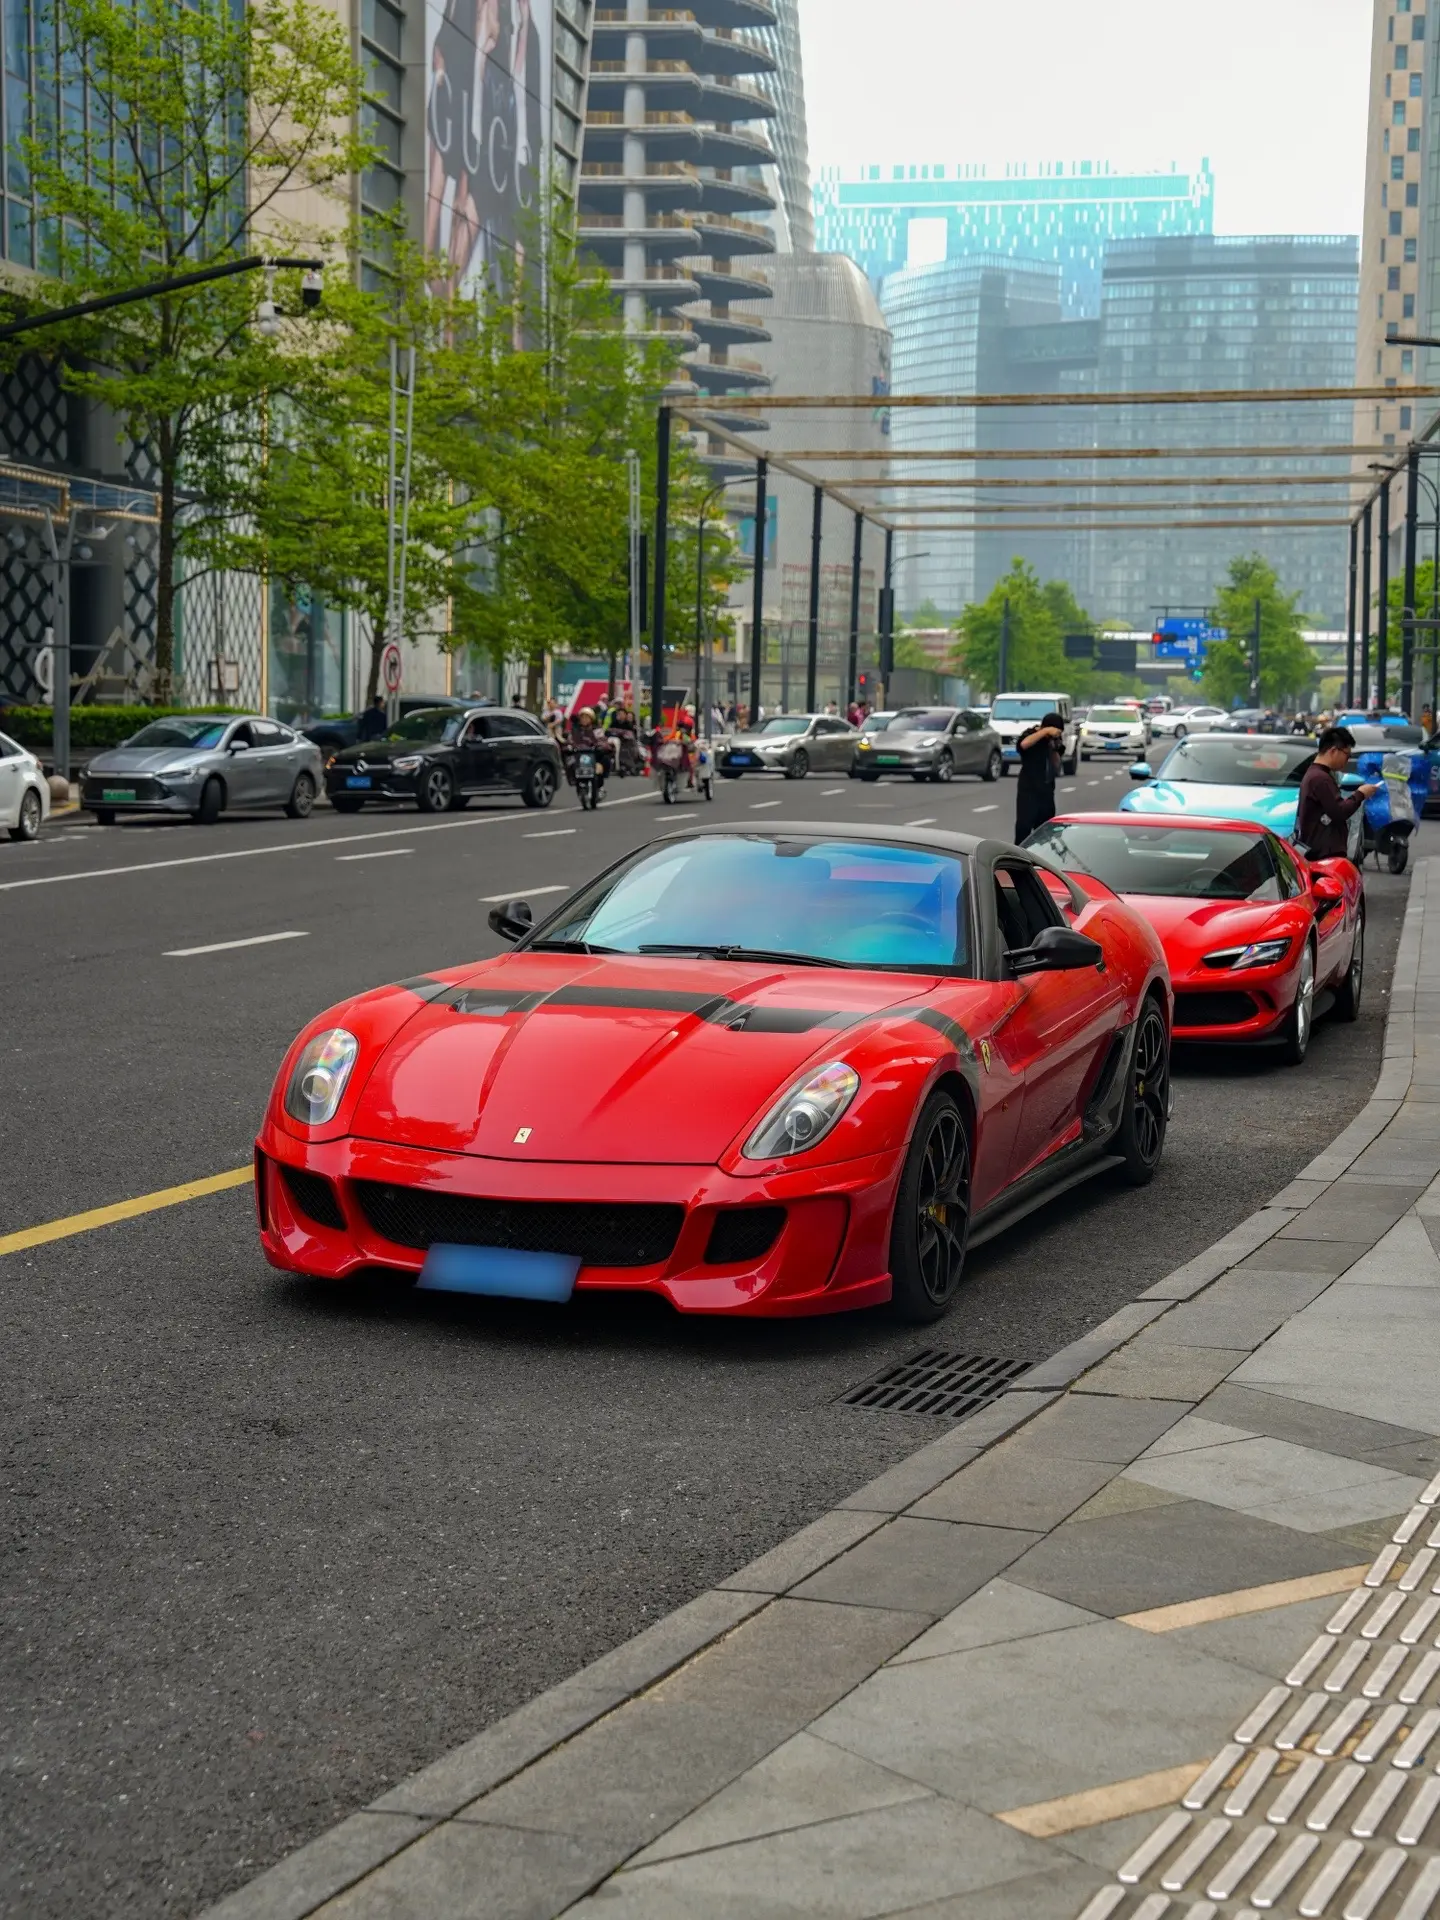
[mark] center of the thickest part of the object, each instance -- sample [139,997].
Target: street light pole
[157,289]
[1382,612]
[1412,535]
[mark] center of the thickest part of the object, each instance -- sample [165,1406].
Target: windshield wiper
[568,946]
[764,956]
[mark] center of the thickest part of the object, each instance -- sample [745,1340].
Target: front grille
[1213,1009]
[600,1235]
[94,790]
[314,1196]
[743,1233]
[948,1385]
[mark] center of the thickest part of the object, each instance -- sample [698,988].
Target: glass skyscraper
[790,133]
[1065,214]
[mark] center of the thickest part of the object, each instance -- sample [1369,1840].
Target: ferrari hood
[536,1057]
[1189,929]
[1273,807]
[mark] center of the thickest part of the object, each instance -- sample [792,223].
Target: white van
[1012,715]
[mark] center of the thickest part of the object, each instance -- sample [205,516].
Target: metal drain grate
[945,1385]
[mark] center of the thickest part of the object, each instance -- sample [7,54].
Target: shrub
[90,727]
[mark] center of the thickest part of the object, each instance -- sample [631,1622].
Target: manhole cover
[945,1385]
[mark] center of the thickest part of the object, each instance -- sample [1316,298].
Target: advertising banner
[487,122]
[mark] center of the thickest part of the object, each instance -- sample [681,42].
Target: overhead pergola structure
[1214,499]
[1371,534]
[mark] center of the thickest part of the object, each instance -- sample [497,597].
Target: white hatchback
[24,794]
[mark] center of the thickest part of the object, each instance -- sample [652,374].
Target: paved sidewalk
[1157,1633]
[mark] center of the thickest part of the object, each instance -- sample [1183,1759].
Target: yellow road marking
[123,1210]
[1230,1606]
[1047,1818]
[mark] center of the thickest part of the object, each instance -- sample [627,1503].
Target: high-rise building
[673,199]
[1399,259]
[795,214]
[1066,214]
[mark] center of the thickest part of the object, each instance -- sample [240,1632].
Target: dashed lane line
[928,821]
[994,809]
[382,853]
[759,806]
[518,893]
[553,833]
[230,946]
[829,793]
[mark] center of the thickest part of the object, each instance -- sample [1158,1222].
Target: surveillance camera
[312,288]
[267,320]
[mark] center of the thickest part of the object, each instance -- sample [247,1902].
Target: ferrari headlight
[411,763]
[803,1117]
[1263,953]
[318,1083]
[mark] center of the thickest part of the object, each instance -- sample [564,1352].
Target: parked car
[24,794]
[204,764]
[1109,732]
[1013,715]
[792,744]
[928,743]
[1179,721]
[441,757]
[343,730]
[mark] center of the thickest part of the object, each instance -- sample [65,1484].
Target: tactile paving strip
[1326,1804]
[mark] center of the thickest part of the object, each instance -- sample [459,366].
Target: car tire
[1071,766]
[1300,1021]
[104,816]
[1180,732]
[1347,994]
[212,801]
[799,765]
[302,797]
[346,802]
[944,768]
[1145,1117]
[27,825]
[994,767]
[539,790]
[726,774]
[931,1225]
[868,778]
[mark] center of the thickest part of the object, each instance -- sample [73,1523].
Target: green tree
[205,127]
[1035,655]
[1286,665]
[928,617]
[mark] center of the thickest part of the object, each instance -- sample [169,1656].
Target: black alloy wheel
[932,1215]
[1146,1116]
[539,789]
[27,827]
[437,790]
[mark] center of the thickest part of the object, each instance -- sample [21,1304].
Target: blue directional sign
[1185,639]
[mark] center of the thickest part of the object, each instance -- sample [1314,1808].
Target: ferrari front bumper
[831,1253]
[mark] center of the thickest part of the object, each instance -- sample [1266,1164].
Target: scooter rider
[586,737]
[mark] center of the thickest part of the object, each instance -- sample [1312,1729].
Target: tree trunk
[377,649]
[534,678]
[163,692]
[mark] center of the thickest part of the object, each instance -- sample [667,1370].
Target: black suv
[442,757]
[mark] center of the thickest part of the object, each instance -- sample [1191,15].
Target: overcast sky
[1272,92]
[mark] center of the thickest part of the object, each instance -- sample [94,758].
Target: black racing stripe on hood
[942,1024]
[482,1003]
[638,1000]
[424,987]
[739,1017]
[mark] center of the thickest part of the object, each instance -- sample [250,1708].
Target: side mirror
[512,921]
[1058,950]
[1350,781]
[1141,771]
[1327,890]
[238,746]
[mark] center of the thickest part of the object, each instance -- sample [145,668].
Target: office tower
[1066,213]
[795,213]
[1399,264]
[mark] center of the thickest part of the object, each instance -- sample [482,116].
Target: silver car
[793,744]
[204,764]
[928,743]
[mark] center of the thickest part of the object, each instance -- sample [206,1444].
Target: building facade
[795,212]
[1400,247]
[1065,214]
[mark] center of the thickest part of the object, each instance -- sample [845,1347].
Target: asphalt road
[269,1546]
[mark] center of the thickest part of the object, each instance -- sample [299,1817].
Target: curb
[338,1859]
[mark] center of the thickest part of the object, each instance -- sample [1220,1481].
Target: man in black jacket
[373,722]
[1324,810]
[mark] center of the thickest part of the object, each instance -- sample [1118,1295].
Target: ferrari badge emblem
[985,1053]
[523,1135]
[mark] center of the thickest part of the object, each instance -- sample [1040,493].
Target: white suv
[1013,715]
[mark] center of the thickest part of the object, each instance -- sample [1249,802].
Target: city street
[274,1545]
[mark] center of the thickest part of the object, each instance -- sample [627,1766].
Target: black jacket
[1323,815]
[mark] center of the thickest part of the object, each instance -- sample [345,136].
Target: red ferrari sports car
[1260,941]
[776,1072]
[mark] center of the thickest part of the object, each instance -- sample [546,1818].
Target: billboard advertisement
[489,67]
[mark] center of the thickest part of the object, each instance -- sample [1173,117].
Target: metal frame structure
[1370,544]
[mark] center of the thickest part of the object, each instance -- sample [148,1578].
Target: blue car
[1226,776]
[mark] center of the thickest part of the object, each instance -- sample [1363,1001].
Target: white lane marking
[929,821]
[994,809]
[293,846]
[229,946]
[828,793]
[517,893]
[553,833]
[383,853]
[1094,783]
[759,806]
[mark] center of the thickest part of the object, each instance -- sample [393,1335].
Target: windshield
[429,723]
[1115,715]
[776,728]
[847,902]
[1012,706]
[933,721]
[1215,761]
[1191,862]
[1387,736]
[180,731]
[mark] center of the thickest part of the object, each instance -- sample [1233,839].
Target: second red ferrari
[1260,941]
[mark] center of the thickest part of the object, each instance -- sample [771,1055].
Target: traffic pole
[1412,535]
[812,653]
[852,669]
[1350,622]
[662,552]
[1382,610]
[757,626]
[1363,695]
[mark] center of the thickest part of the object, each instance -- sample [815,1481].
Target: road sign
[391,668]
[1185,639]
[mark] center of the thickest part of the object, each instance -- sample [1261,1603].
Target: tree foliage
[1287,667]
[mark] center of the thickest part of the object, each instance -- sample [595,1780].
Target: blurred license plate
[1114,746]
[888,759]
[358,780]
[118,793]
[500,1272]
[742,759]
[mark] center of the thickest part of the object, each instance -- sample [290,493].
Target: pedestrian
[374,722]
[1039,770]
[1324,811]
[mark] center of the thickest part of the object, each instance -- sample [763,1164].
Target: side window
[972,723]
[265,733]
[480,728]
[507,726]
[8,748]
[1030,908]
[244,734]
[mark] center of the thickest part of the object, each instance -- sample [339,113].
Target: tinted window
[973,722]
[265,733]
[180,730]
[8,748]
[1170,861]
[774,729]
[1012,706]
[505,726]
[1025,907]
[854,903]
[1218,761]
[1115,716]
[935,720]
[429,723]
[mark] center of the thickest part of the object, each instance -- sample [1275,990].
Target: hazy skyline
[1274,96]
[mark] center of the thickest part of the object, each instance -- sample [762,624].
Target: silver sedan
[792,744]
[204,764]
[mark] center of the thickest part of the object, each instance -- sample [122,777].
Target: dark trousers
[1033,807]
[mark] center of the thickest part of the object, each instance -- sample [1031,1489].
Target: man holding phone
[1324,811]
